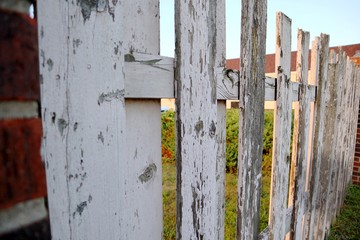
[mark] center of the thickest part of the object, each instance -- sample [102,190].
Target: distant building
[353,51]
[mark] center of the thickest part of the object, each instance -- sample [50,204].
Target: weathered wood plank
[251,118]
[270,90]
[142,81]
[142,171]
[318,136]
[220,61]
[143,175]
[221,169]
[282,127]
[84,110]
[340,70]
[333,70]
[344,141]
[347,113]
[326,162]
[313,79]
[228,84]
[196,104]
[341,132]
[149,76]
[53,108]
[83,118]
[301,139]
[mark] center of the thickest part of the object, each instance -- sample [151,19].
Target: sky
[338,18]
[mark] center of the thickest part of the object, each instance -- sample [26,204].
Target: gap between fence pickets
[152,76]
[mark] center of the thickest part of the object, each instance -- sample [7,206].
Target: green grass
[230,206]
[347,225]
[169,200]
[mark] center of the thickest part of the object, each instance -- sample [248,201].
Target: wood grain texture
[196,104]
[152,76]
[318,136]
[221,169]
[84,118]
[333,76]
[220,61]
[282,126]
[346,129]
[327,162]
[342,181]
[149,76]
[301,139]
[336,147]
[251,118]
[313,79]
[142,80]
[74,115]
[341,132]
[141,165]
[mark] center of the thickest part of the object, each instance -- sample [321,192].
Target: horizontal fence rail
[146,84]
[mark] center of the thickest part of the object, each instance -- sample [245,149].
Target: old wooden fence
[102,80]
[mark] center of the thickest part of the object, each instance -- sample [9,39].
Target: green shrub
[232,133]
[268,131]
[168,140]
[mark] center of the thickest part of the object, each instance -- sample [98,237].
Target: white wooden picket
[251,117]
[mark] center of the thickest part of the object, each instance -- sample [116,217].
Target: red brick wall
[356,169]
[22,175]
[19,69]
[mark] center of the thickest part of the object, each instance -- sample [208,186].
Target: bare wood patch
[319,134]
[196,73]
[301,139]
[282,126]
[251,103]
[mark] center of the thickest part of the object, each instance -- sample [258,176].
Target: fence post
[197,128]
[251,118]
[336,147]
[333,75]
[318,133]
[282,127]
[301,138]
[326,166]
[103,169]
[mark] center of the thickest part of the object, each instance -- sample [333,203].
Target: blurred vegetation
[168,137]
